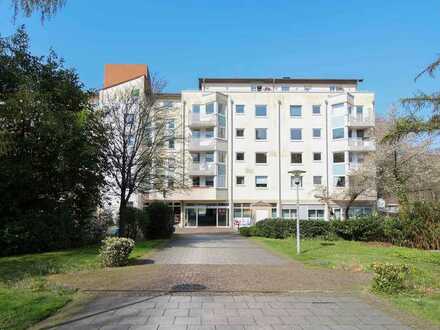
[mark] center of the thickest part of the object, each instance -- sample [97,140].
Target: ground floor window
[204,215]
[288,213]
[356,211]
[316,214]
[242,210]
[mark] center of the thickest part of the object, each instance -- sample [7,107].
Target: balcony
[207,144]
[202,120]
[357,144]
[203,168]
[360,120]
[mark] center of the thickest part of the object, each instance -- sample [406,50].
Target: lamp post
[297,175]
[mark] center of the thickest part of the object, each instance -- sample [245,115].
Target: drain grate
[188,287]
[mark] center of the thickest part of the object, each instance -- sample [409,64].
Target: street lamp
[297,175]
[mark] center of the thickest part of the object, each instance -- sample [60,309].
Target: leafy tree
[52,164]
[46,8]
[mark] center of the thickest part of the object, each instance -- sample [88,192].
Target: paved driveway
[215,249]
[223,281]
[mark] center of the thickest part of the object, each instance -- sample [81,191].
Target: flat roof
[283,80]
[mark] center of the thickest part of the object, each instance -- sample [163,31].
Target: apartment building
[242,136]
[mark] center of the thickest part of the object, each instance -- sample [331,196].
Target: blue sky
[385,42]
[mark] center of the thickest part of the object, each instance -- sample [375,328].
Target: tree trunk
[122,220]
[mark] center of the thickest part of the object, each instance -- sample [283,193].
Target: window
[338,133]
[338,157]
[239,132]
[195,157]
[296,158]
[316,109]
[221,108]
[196,108]
[339,181]
[196,181]
[293,182]
[171,143]
[209,133]
[209,108]
[285,88]
[316,214]
[221,156]
[261,181]
[242,210]
[261,134]
[288,213]
[317,179]
[261,158]
[129,118]
[209,181]
[239,108]
[195,134]
[135,92]
[359,211]
[359,109]
[209,157]
[295,111]
[316,156]
[316,132]
[239,180]
[221,132]
[296,134]
[239,156]
[261,110]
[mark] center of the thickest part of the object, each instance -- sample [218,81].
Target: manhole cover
[188,287]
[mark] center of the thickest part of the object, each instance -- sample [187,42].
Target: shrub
[360,229]
[132,216]
[158,222]
[115,251]
[420,225]
[245,231]
[283,228]
[389,278]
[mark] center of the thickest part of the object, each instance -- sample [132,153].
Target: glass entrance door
[222,218]
[191,217]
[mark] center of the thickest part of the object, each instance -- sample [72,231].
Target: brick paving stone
[188,320]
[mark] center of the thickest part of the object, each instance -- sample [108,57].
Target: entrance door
[261,215]
[191,218]
[207,217]
[223,219]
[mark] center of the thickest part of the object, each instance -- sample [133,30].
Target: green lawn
[423,300]
[25,295]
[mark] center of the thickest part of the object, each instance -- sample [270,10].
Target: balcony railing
[203,168]
[358,144]
[206,144]
[202,120]
[360,120]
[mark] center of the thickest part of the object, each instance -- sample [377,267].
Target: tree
[414,122]
[141,145]
[46,8]
[405,165]
[52,165]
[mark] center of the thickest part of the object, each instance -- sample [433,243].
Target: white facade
[243,136]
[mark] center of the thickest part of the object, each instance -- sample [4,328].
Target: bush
[283,228]
[158,221]
[132,218]
[389,278]
[360,229]
[115,251]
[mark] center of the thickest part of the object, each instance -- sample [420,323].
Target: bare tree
[142,135]
[407,165]
[46,8]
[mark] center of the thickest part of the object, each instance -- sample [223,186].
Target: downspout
[182,205]
[327,193]
[279,160]
[231,164]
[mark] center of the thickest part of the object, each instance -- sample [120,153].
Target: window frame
[237,153]
[261,153]
[241,177]
[338,162]
[320,132]
[266,184]
[265,113]
[296,153]
[314,106]
[320,180]
[239,136]
[265,130]
[336,181]
[339,137]
[295,106]
[317,153]
[240,105]
[300,130]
